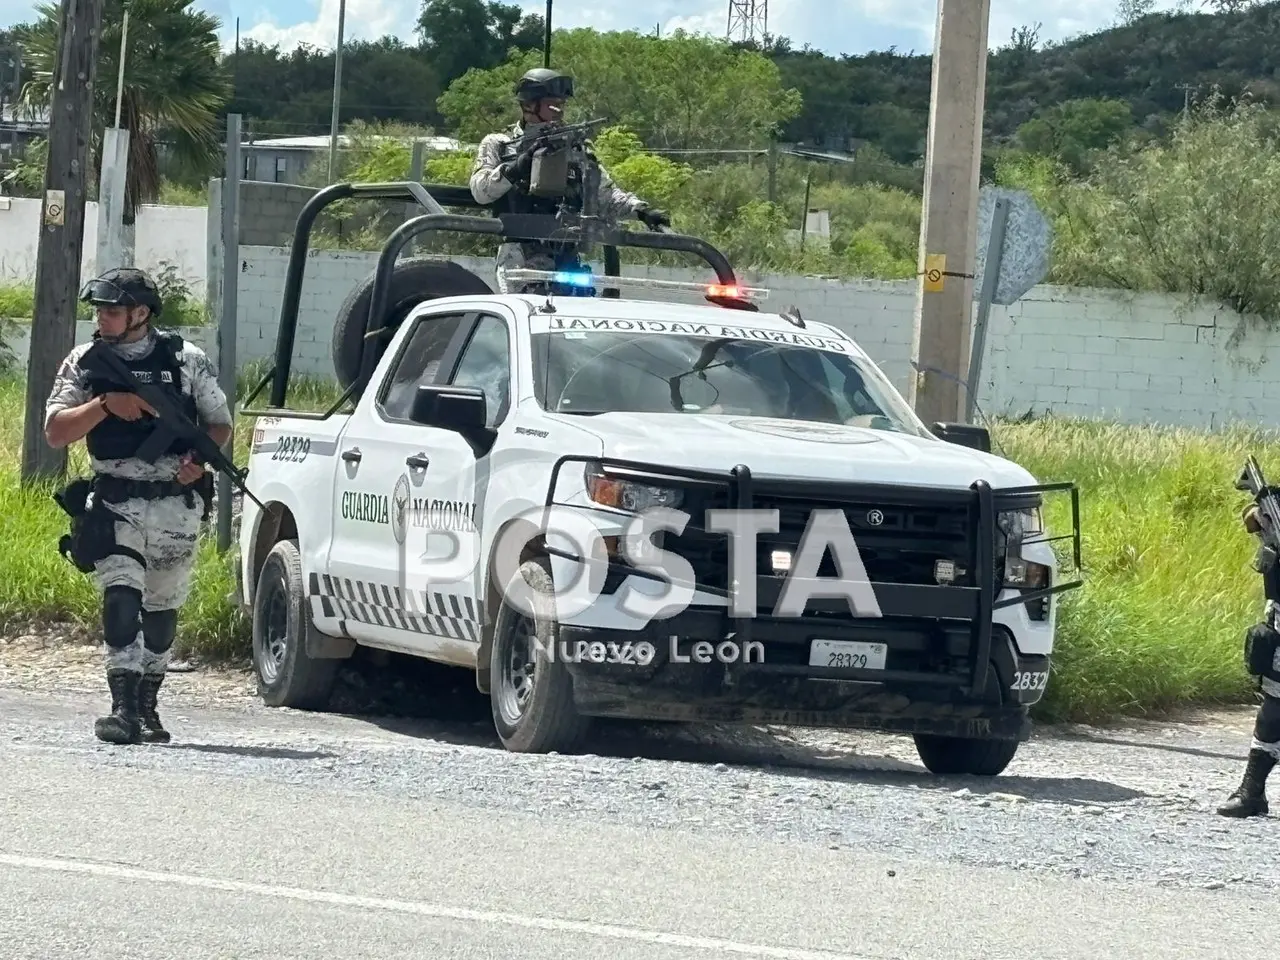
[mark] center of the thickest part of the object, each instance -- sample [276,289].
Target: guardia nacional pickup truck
[488,432]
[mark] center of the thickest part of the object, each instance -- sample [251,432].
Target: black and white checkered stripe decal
[438,614]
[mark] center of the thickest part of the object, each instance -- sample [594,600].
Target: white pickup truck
[494,426]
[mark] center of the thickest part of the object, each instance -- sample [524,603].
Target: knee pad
[159,627]
[1267,726]
[121,609]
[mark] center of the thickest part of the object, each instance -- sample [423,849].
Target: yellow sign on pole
[55,208]
[935,265]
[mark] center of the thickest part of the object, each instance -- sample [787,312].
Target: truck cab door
[382,458]
[445,520]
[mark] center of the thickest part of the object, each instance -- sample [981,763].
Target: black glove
[653,218]
[520,168]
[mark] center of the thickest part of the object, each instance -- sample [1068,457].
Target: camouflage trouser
[1266,730]
[165,532]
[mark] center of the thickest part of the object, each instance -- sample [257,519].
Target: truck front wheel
[530,689]
[287,676]
[964,755]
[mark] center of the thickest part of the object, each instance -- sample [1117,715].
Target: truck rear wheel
[964,755]
[287,676]
[413,281]
[531,692]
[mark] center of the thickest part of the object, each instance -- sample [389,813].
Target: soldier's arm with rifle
[1261,648]
[206,442]
[72,411]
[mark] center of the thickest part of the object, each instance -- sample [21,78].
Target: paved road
[275,834]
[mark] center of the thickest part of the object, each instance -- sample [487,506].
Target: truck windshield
[594,371]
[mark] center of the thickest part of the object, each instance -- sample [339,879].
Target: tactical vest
[116,439]
[517,201]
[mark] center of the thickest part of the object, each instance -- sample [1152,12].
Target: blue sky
[834,26]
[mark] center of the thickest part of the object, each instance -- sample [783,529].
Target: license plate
[847,654]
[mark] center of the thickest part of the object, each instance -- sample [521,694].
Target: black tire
[413,281]
[287,676]
[964,755]
[547,719]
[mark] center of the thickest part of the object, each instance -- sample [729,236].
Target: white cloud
[832,25]
[364,20]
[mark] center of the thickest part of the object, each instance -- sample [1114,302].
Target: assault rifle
[558,136]
[557,147]
[171,424]
[1261,641]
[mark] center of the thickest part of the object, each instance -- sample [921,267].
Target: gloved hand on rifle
[1252,518]
[521,168]
[653,218]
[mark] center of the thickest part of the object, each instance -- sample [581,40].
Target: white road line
[435,910]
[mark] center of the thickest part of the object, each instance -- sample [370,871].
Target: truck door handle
[419,460]
[353,455]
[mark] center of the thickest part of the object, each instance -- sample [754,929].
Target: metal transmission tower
[748,20]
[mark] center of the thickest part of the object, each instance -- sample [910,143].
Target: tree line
[1065,98]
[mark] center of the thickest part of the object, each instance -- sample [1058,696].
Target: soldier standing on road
[500,175]
[156,508]
[1250,798]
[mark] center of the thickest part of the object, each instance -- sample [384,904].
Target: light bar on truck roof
[596,281]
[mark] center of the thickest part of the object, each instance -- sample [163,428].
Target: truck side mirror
[461,409]
[964,435]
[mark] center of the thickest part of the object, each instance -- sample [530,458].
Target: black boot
[152,731]
[1250,798]
[122,725]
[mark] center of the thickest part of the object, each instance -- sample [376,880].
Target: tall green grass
[1168,591]
[1169,588]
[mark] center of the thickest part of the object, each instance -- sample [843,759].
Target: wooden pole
[948,225]
[58,256]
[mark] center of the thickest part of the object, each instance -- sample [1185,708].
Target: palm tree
[174,86]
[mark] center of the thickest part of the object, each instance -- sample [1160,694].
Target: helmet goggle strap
[104,293]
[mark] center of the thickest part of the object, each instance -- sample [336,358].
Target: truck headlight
[1017,524]
[627,494]
[1013,529]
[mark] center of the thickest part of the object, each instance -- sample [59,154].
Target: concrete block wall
[1092,353]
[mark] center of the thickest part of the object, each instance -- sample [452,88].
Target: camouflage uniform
[1250,798]
[489,185]
[140,603]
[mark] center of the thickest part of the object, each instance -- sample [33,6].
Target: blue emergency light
[574,278]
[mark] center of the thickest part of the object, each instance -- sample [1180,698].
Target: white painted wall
[204,337]
[1094,353]
[162,235]
[1091,353]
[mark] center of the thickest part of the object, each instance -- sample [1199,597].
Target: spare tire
[413,281]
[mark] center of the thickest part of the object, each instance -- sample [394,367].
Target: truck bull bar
[974,604]
[433,198]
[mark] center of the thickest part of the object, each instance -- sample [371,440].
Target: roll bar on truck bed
[434,198]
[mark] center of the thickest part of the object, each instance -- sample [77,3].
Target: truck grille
[903,547]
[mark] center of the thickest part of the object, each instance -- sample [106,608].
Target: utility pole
[546,37]
[58,257]
[940,339]
[337,90]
